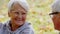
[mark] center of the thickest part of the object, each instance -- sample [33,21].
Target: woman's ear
[8,14]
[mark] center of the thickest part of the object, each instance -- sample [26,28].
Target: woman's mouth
[18,20]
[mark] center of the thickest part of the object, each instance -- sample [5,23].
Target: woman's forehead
[17,6]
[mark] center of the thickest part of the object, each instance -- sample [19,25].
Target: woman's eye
[16,12]
[23,13]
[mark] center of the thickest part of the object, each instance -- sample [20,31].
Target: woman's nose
[20,15]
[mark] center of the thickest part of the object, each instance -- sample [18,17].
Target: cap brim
[53,13]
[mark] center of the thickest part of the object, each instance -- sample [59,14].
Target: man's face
[17,14]
[56,21]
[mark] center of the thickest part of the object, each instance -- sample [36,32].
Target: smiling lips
[17,19]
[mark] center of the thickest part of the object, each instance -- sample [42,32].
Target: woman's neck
[14,26]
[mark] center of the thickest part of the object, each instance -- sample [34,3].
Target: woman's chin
[19,22]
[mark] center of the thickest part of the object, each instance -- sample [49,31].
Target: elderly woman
[56,14]
[17,11]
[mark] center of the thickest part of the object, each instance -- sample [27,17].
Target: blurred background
[38,15]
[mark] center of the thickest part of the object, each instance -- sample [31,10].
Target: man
[17,11]
[56,14]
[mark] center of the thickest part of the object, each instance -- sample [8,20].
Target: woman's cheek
[24,17]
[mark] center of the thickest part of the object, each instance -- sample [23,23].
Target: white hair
[23,3]
[56,6]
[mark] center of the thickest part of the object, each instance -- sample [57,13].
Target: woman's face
[56,21]
[17,14]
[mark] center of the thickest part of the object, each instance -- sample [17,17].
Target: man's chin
[57,28]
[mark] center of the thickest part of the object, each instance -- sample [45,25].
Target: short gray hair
[56,6]
[23,3]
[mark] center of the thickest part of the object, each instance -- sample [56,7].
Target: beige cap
[55,7]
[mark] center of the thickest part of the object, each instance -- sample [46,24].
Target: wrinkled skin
[17,15]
